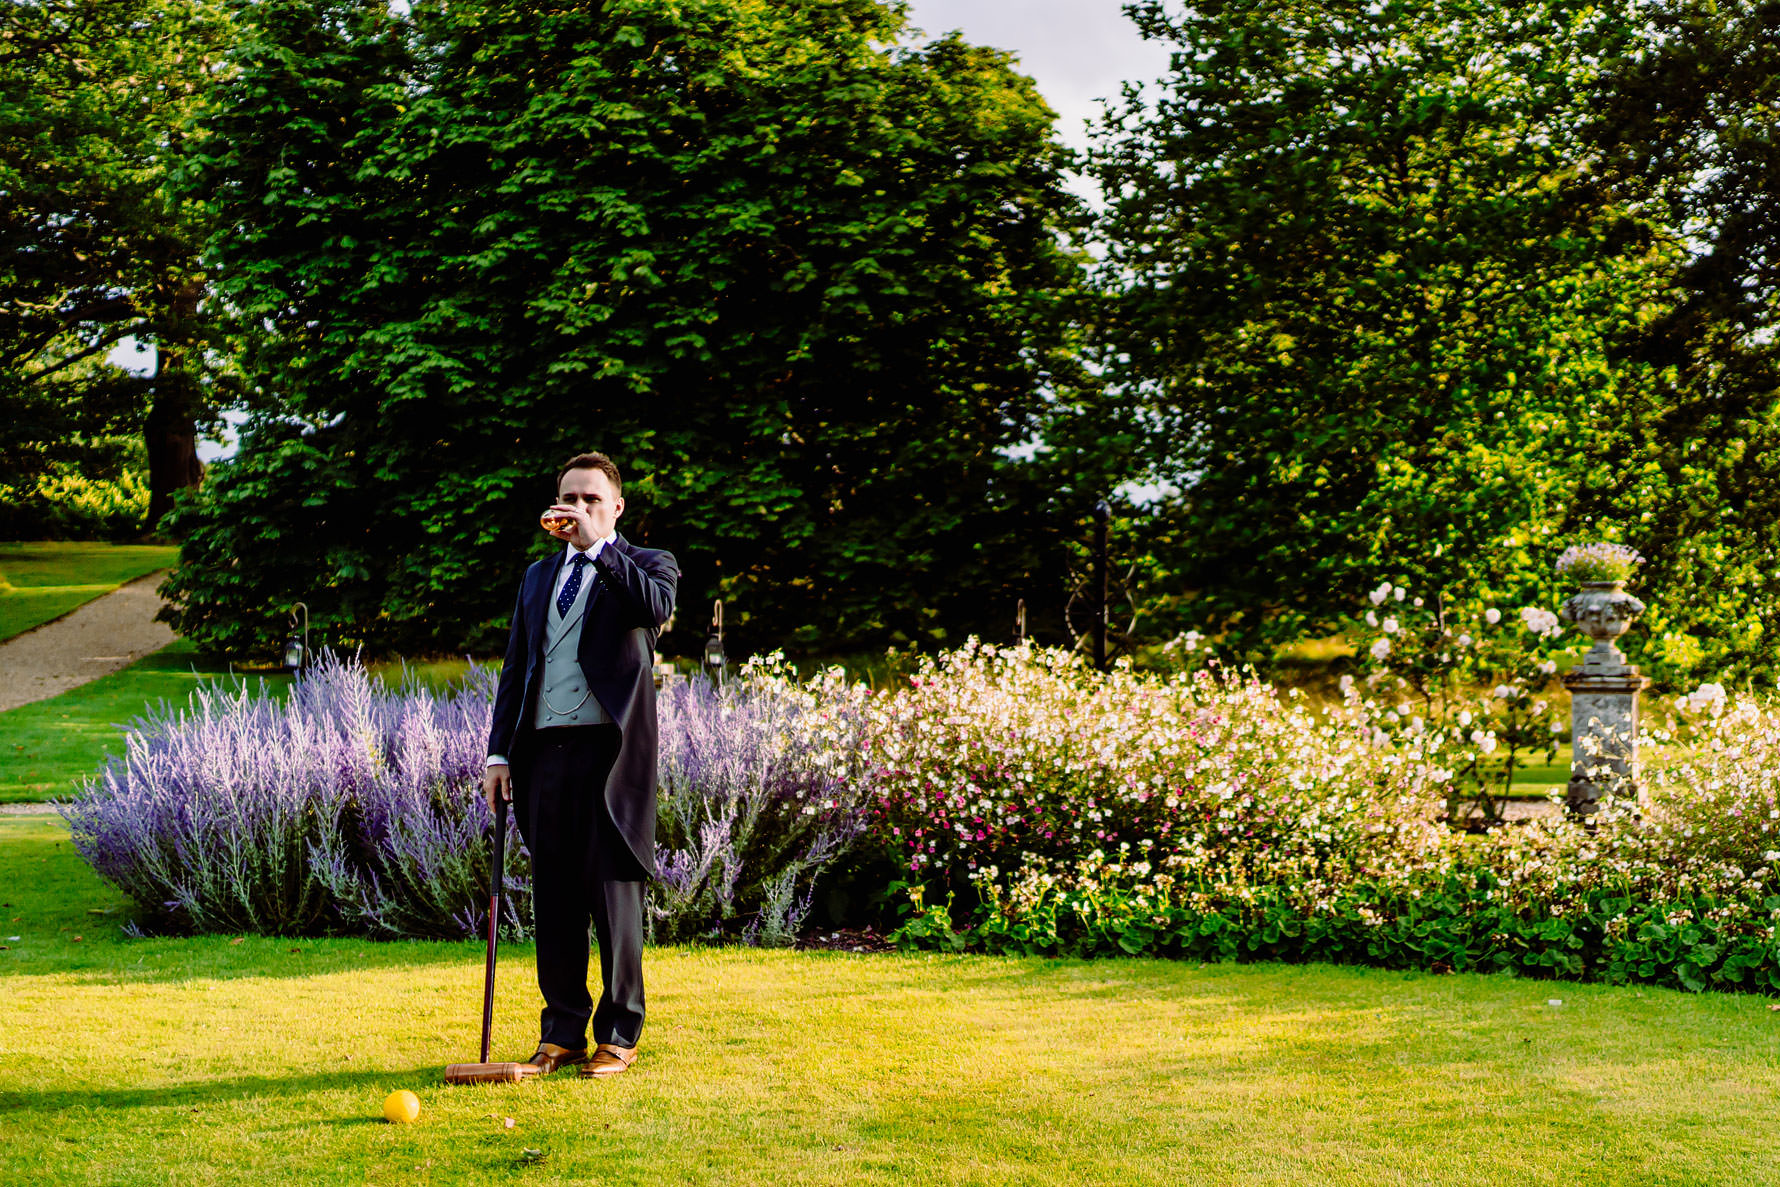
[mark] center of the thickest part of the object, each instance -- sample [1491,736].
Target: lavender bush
[760,792]
[349,807]
[341,807]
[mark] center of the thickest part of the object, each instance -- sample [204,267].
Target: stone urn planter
[1603,611]
[1604,692]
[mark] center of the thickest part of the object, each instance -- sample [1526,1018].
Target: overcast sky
[1078,51]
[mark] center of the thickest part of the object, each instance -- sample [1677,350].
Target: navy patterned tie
[566,598]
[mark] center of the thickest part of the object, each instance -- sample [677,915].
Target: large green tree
[1361,281]
[96,247]
[1687,124]
[802,283]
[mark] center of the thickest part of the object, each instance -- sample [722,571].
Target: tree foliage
[801,283]
[94,247]
[1362,284]
[1687,123]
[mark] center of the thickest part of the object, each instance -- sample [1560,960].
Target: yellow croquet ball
[401,1107]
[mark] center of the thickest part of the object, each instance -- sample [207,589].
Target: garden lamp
[296,647]
[715,661]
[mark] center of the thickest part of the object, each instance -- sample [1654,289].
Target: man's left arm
[646,586]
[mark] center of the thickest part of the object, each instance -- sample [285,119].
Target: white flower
[1381,649]
[1541,622]
[1185,641]
[1464,640]
[1492,616]
[1380,594]
[1464,717]
[1417,602]
[1707,698]
[1548,666]
[1557,727]
[1380,738]
[1347,683]
[1477,737]
[1502,692]
[1390,626]
[1538,708]
[1488,744]
[1398,593]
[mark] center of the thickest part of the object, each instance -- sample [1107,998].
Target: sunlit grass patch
[43,580]
[246,1059]
[46,747]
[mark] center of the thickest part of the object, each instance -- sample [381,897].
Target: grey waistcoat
[563,685]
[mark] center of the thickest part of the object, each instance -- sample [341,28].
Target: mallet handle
[494,919]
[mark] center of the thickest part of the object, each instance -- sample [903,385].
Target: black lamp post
[296,647]
[1020,621]
[1101,513]
[715,661]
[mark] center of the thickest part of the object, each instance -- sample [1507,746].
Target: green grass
[47,746]
[45,580]
[247,1059]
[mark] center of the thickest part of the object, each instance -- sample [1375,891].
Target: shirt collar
[569,556]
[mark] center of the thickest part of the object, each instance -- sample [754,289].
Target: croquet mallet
[486,1072]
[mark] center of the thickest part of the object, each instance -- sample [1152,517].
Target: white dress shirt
[562,579]
[568,562]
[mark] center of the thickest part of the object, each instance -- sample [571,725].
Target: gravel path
[106,634]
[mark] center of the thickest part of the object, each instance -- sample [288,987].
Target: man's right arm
[509,692]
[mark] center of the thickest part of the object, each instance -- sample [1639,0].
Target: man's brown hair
[593,461]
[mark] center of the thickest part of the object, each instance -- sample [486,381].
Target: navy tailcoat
[632,597]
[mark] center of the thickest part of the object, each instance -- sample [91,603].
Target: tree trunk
[172,439]
[171,433]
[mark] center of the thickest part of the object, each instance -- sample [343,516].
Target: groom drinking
[573,746]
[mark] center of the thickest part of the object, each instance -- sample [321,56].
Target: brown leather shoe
[609,1059]
[548,1057]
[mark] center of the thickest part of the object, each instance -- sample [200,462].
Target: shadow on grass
[212,1092]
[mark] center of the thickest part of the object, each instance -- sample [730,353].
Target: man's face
[593,492]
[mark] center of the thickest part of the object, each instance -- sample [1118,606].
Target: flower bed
[1040,807]
[1026,802]
[348,807]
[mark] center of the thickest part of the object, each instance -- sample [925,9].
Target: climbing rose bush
[1713,784]
[1042,807]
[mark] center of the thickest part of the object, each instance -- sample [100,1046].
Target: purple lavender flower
[342,806]
[346,806]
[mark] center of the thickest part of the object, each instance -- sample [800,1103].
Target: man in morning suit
[573,746]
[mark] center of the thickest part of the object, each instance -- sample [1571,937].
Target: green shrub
[63,505]
[1443,918]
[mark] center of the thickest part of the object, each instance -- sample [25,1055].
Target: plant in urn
[1603,687]
[1603,610]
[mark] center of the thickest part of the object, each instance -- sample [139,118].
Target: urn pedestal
[1604,692]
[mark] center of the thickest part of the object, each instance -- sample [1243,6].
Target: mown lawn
[247,1059]
[42,580]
